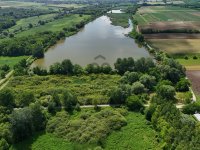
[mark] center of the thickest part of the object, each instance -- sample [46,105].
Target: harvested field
[171,36]
[194,77]
[173,26]
[176,46]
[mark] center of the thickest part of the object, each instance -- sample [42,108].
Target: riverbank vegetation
[119,19]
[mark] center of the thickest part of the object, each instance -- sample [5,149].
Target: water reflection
[98,37]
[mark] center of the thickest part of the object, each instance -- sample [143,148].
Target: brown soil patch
[171,36]
[194,77]
[172,25]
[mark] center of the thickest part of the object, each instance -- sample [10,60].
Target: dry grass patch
[176,46]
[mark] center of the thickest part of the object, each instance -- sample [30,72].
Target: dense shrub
[166,92]
[137,88]
[96,125]
[183,85]
[134,103]
[191,108]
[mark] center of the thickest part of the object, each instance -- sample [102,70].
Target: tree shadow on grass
[27,143]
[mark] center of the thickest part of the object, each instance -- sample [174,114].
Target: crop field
[147,15]
[56,25]
[4,4]
[190,61]
[177,46]
[23,24]
[171,25]
[87,88]
[66,5]
[172,36]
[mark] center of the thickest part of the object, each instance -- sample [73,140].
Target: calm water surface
[98,38]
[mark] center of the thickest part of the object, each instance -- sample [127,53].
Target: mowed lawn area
[147,15]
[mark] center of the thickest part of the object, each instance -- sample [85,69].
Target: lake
[98,42]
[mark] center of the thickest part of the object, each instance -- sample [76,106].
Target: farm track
[5,81]
[171,36]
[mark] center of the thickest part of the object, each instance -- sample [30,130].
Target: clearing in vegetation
[136,135]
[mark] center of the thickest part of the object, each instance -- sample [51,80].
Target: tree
[6,98]
[93,68]
[21,124]
[38,51]
[106,69]
[144,64]
[5,67]
[77,70]
[67,67]
[30,25]
[117,96]
[39,71]
[130,77]
[3,144]
[166,91]
[38,118]
[137,88]
[69,101]
[56,68]
[123,65]
[26,98]
[148,81]
[134,103]
[3,74]
[183,85]
[26,121]
[191,108]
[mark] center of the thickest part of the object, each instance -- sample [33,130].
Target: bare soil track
[171,36]
[194,77]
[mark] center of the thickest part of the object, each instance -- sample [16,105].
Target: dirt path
[4,82]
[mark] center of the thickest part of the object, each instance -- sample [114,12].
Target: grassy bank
[119,19]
